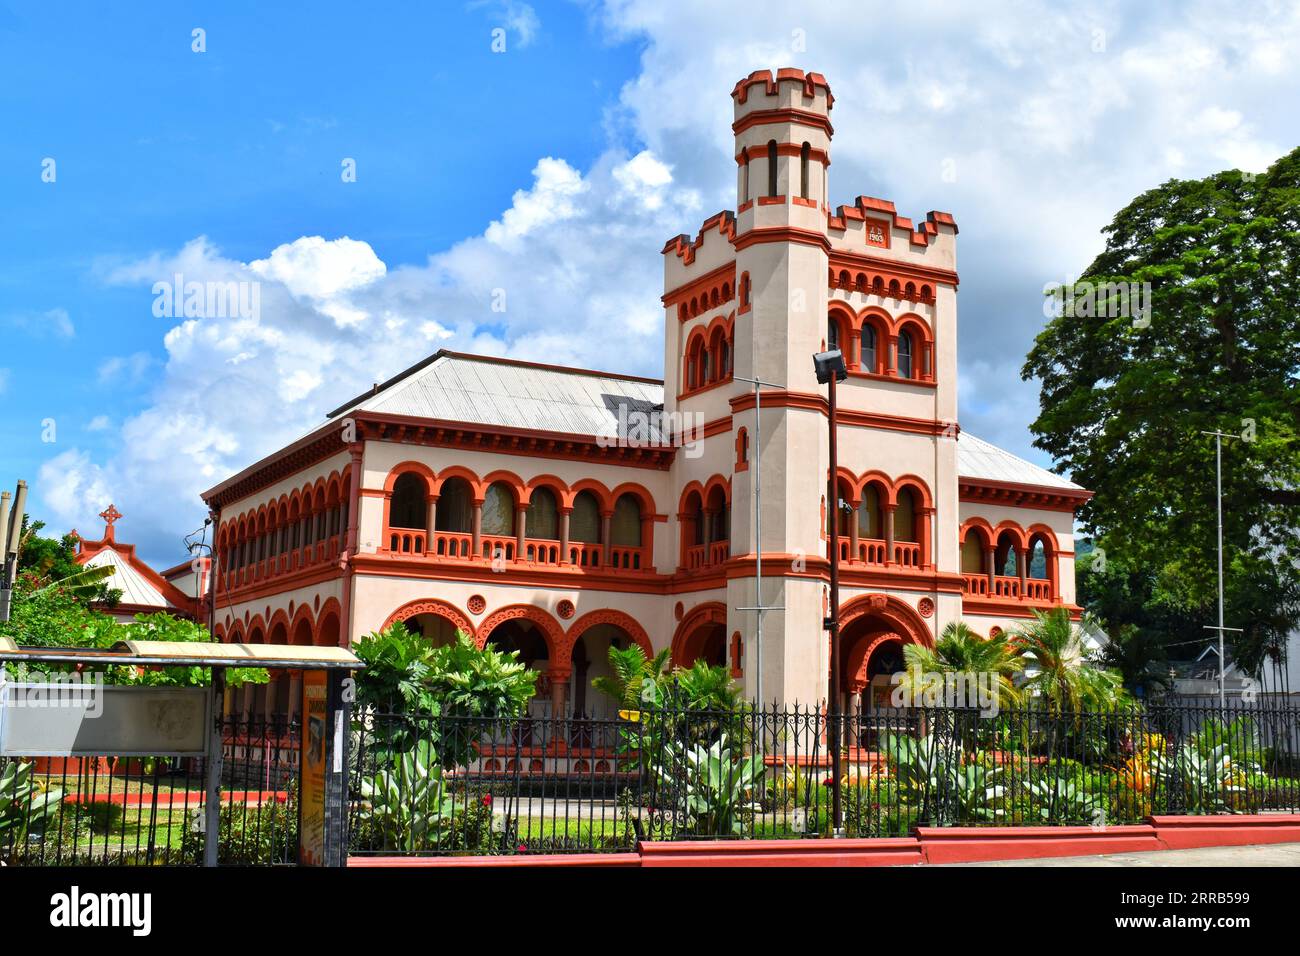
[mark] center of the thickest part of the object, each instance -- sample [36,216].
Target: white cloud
[124,370]
[98,424]
[54,322]
[1047,137]
[4,380]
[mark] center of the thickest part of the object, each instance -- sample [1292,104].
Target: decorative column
[891,355]
[854,532]
[889,533]
[477,529]
[1022,569]
[647,541]
[521,524]
[431,524]
[927,546]
[564,534]
[606,521]
[990,563]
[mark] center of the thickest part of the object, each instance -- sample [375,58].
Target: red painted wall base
[929,845]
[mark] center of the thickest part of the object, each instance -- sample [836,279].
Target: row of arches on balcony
[567,659]
[454,514]
[706,300]
[883,521]
[709,354]
[704,516]
[278,699]
[871,284]
[875,342]
[300,528]
[1009,561]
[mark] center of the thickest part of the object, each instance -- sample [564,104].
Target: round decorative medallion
[678,611]
[565,609]
[925,606]
[476,604]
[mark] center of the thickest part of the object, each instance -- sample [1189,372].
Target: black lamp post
[830,369]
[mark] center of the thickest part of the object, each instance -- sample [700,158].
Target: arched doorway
[539,641]
[874,630]
[702,636]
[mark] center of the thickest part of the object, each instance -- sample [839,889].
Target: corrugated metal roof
[481,390]
[978,459]
[486,391]
[135,587]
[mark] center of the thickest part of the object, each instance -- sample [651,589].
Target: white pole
[1218,486]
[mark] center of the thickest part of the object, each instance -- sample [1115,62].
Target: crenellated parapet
[880,224]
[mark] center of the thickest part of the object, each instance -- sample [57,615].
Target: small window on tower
[803,170]
[771,167]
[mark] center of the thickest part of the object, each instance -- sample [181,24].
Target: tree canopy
[1124,399]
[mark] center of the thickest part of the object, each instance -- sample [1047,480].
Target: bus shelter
[53,718]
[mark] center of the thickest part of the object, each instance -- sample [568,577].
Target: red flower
[487,799]
[828,782]
[522,848]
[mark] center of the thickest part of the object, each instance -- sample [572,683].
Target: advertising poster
[311,806]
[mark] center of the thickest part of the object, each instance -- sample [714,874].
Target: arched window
[584,521]
[832,334]
[720,516]
[744,180]
[455,507]
[869,525]
[407,507]
[972,553]
[744,291]
[498,510]
[803,170]
[905,516]
[869,348]
[543,519]
[625,528]
[771,167]
[1039,557]
[905,354]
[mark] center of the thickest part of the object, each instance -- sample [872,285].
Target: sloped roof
[983,461]
[135,587]
[478,390]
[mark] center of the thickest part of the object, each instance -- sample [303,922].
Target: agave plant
[932,776]
[408,804]
[1210,780]
[25,806]
[715,788]
[1062,800]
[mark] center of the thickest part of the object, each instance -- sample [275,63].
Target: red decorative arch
[620,619]
[711,612]
[859,658]
[551,630]
[302,624]
[903,618]
[443,609]
[333,608]
[407,467]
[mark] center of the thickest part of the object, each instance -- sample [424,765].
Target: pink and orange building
[557,511]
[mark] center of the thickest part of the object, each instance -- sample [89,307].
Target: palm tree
[959,650]
[636,681]
[1140,657]
[1056,668]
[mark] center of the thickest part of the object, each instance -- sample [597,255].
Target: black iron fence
[62,811]
[457,785]
[446,785]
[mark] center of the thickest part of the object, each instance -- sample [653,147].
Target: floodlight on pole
[830,370]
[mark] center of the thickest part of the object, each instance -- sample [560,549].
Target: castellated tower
[755,295]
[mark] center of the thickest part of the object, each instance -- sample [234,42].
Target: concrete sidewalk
[1275,854]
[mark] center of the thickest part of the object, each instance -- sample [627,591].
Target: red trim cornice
[782,234]
[843,259]
[810,401]
[783,115]
[1044,497]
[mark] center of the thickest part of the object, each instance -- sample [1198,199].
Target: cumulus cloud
[1031,123]
[54,322]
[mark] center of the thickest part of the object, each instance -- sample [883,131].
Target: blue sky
[554,170]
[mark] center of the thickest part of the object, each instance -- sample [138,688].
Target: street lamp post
[830,369]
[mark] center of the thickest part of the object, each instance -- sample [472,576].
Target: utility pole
[11,537]
[1218,485]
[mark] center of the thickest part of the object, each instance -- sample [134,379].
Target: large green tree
[1125,397]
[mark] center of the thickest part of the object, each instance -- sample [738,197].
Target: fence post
[212,765]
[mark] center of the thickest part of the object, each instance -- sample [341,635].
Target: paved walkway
[1274,854]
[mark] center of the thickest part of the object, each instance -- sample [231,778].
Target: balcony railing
[975,584]
[585,554]
[719,551]
[493,546]
[1038,589]
[406,541]
[542,551]
[626,557]
[695,557]
[1005,586]
[907,554]
[870,551]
